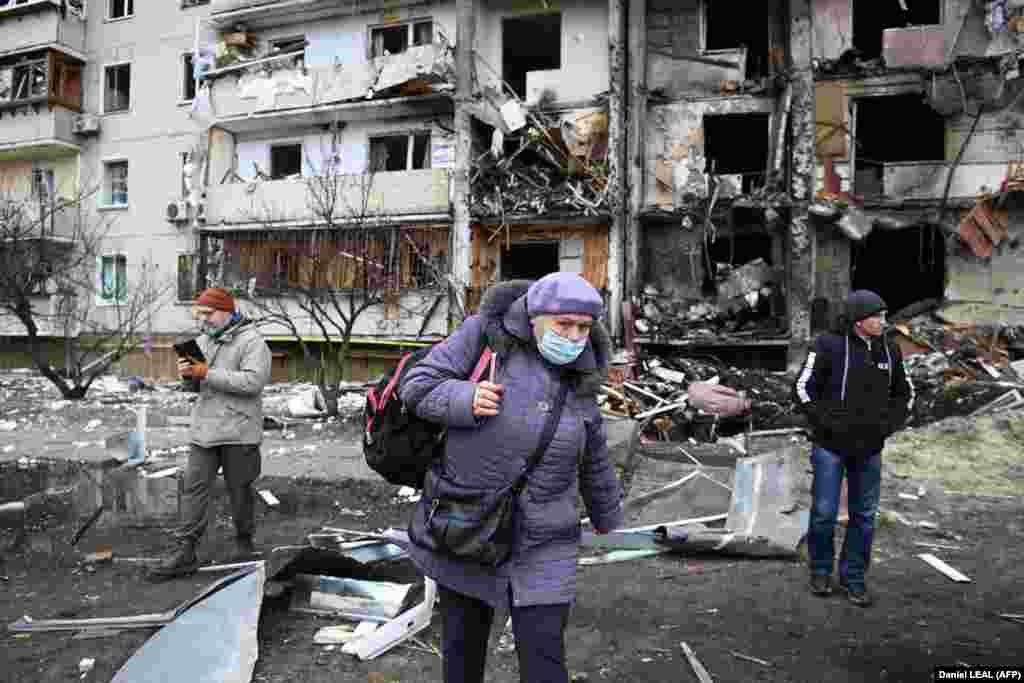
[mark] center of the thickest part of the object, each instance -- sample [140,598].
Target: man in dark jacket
[855,392]
[227,426]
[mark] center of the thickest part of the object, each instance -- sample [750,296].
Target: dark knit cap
[216,298]
[559,293]
[863,303]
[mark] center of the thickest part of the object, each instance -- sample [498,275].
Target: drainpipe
[461,236]
[800,273]
[617,136]
[637,141]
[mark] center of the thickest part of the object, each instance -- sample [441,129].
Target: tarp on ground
[215,641]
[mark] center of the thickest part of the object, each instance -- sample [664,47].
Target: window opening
[530,44]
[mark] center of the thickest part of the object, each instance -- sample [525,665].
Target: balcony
[390,197]
[40,25]
[259,14]
[285,94]
[927,180]
[45,133]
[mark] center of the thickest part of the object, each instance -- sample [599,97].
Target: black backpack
[398,444]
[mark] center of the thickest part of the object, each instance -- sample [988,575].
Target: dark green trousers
[241,464]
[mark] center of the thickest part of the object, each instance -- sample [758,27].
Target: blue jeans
[864,483]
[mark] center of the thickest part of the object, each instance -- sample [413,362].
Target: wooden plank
[595,257]
[944,568]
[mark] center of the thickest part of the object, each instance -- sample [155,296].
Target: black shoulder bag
[475,525]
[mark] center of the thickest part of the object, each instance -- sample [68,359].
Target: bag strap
[554,416]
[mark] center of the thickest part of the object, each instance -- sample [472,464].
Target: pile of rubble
[747,305]
[957,370]
[543,165]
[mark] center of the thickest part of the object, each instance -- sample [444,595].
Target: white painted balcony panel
[37,132]
[387,195]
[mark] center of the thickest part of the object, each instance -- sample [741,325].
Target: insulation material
[267,88]
[432,63]
[830,117]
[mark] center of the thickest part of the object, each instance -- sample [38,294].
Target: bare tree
[323,279]
[52,273]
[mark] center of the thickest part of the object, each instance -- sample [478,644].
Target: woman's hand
[487,399]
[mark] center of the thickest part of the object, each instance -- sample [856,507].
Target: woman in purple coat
[544,334]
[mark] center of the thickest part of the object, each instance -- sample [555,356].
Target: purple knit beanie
[558,293]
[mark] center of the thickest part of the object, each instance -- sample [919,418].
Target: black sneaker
[857,596]
[182,563]
[821,585]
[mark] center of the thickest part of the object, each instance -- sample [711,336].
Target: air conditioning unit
[177,211]
[86,124]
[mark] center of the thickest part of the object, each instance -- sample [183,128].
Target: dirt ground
[630,617]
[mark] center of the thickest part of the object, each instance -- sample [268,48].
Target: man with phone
[227,425]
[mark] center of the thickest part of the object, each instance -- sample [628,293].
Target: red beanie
[217,299]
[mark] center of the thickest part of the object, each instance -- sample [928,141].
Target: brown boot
[182,563]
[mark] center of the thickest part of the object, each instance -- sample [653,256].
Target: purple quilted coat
[490,452]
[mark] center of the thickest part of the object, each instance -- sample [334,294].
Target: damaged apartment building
[342,153]
[795,150]
[724,172]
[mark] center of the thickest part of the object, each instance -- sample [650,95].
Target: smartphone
[190,349]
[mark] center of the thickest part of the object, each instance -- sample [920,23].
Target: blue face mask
[559,350]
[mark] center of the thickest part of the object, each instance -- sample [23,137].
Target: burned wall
[989,288]
[691,44]
[676,154]
[839,27]
[673,259]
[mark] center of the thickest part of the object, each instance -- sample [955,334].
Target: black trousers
[241,465]
[466,627]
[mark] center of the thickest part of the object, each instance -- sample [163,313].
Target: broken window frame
[410,36]
[289,45]
[127,9]
[852,154]
[58,80]
[507,77]
[410,150]
[281,144]
[110,97]
[853,25]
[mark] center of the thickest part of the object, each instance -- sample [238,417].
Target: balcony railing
[28,24]
[43,134]
[368,199]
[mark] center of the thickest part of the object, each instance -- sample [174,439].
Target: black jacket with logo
[854,392]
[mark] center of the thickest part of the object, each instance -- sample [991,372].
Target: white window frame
[129,7]
[410,33]
[410,149]
[185,74]
[103,88]
[113,300]
[107,193]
